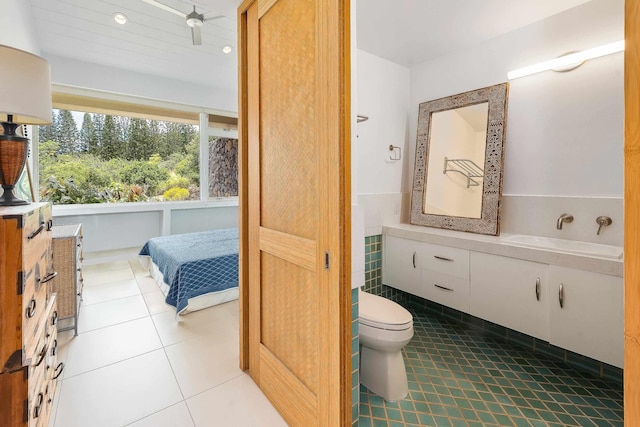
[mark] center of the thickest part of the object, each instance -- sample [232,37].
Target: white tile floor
[135,364]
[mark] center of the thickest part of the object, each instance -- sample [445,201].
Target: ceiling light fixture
[120,18]
[226,49]
[568,60]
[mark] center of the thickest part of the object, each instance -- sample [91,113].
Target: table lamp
[25,99]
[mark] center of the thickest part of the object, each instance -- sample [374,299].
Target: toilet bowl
[385,328]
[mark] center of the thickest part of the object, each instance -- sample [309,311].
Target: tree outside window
[108,158]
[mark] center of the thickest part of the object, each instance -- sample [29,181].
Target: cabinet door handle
[49,277]
[35,233]
[538,289]
[561,295]
[442,258]
[58,370]
[414,259]
[37,410]
[42,355]
[31,308]
[54,318]
[442,287]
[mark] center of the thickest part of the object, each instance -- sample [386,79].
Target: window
[87,157]
[108,147]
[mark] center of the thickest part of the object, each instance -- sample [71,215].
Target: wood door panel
[288,153]
[289,323]
[279,383]
[295,293]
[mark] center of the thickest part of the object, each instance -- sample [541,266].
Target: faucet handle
[602,221]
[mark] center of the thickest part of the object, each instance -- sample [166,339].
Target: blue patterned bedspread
[195,263]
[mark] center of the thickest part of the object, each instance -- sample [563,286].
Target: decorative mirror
[457,181]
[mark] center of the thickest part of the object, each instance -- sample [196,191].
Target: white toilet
[385,328]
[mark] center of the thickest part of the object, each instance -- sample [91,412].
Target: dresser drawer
[446,260]
[446,290]
[38,404]
[34,301]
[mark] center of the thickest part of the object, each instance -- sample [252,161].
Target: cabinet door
[511,293]
[587,313]
[402,264]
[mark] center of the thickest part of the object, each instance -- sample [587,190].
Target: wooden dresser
[28,317]
[67,261]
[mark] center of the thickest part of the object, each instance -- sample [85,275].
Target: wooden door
[295,206]
[632,215]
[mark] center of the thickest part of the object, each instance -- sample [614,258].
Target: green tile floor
[461,377]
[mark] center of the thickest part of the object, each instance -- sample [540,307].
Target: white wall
[18,29]
[564,138]
[383,96]
[564,130]
[72,72]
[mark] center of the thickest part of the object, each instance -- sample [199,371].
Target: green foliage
[176,193]
[69,193]
[144,174]
[116,159]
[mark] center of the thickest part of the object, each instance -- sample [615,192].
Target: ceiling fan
[194,19]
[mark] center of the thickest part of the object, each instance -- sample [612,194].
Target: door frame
[632,215]
[336,71]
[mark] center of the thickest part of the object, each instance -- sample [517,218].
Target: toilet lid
[382,313]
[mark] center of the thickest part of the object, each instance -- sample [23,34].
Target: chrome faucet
[603,221]
[564,218]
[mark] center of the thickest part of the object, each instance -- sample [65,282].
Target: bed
[195,270]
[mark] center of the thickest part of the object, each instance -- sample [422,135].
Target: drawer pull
[50,225]
[414,259]
[49,277]
[442,258]
[54,318]
[443,288]
[561,295]
[538,289]
[58,370]
[54,348]
[31,309]
[37,410]
[35,233]
[42,355]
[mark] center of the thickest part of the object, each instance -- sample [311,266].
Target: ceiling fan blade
[165,8]
[196,36]
[212,18]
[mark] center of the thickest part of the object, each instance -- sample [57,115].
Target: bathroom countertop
[499,245]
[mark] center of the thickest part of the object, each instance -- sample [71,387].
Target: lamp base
[9,199]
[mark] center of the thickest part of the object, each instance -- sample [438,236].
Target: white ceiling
[409,32]
[154,41]
[158,42]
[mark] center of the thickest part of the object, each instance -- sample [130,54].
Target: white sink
[569,246]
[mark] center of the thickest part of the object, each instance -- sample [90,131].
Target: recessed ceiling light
[120,18]
[226,49]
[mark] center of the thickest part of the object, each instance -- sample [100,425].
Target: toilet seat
[381,313]
[385,326]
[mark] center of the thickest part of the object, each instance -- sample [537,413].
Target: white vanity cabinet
[445,276]
[402,264]
[587,313]
[511,292]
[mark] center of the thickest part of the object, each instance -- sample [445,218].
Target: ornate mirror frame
[489,221]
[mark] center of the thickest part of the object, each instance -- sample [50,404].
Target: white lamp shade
[25,87]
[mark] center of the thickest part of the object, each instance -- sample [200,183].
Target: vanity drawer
[446,260]
[446,290]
